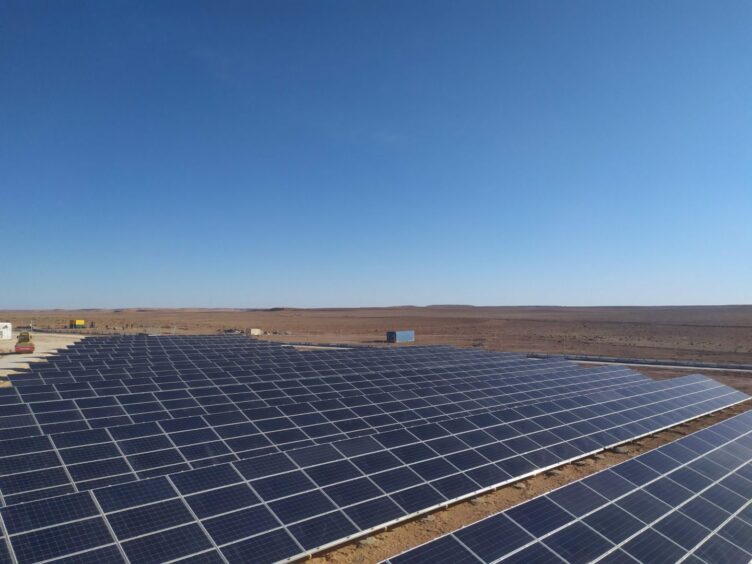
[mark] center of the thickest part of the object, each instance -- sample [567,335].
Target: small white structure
[256,332]
[6,331]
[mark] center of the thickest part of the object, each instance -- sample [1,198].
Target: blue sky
[259,154]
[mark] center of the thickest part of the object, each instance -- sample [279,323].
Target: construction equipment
[24,344]
[77,324]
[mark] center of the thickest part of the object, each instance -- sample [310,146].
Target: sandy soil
[376,548]
[45,345]
[709,333]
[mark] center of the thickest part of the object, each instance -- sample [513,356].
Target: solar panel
[464,443]
[291,497]
[108,402]
[688,500]
[212,438]
[228,449]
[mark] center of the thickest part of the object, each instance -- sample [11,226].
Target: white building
[6,331]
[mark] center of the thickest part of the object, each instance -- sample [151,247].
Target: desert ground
[45,344]
[706,333]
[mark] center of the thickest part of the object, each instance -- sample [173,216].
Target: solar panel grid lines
[64,438]
[268,372]
[53,393]
[481,461]
[434,400]
[519,531]
[747,550]
[265,374]
[300,364]
[627,539]
[182,412]
[732,534]
[201,525]
[261,378]
[262,382]
[107,392]
[120,552]
[106,418]
[120,537]
[462,377]
[274,353]
[6,554]
[301,498]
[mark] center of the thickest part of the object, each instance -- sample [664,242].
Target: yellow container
[77,324]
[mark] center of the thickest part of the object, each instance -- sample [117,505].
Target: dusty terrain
[44,345]
[706,333]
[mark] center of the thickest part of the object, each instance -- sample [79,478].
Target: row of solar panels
[25,414]
[690,500]
[264,381]
[269,353]
[294,476]
[282,506]
[406,365]
[213,367]
[168,445]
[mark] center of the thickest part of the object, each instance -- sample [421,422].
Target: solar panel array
[690,500]
[229,449]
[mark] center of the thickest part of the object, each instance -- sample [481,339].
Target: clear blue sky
[326,153]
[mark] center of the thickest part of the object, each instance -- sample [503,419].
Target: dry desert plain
[709,333]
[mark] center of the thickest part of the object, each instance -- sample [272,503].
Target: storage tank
[6,331]
[400,336]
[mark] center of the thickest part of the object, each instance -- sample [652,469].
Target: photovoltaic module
[227,449]
[690,500]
